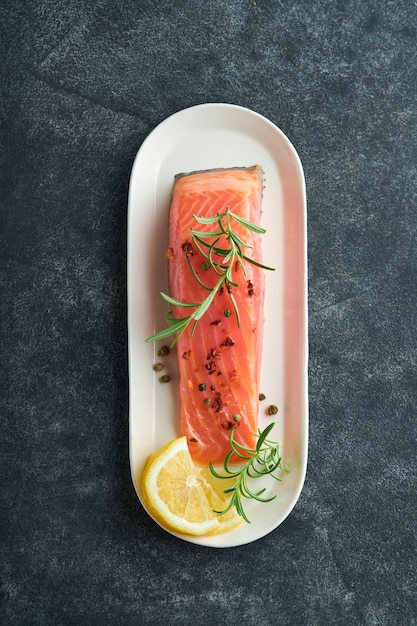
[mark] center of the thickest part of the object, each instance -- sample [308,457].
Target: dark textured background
[82,85]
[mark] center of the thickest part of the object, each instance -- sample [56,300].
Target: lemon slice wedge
[181,496]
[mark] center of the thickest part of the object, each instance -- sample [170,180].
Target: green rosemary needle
[264,460]
[221,250]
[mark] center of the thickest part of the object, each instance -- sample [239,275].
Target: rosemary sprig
[221,249]
[264,460]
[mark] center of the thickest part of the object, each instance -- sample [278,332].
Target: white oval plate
[204,137]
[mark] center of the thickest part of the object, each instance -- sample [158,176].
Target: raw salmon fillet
[219,367]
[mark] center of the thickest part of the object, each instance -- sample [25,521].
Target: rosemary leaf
[239,241]
[190,265]
[247,224]
[207,302]
[205,235]
[178,302]
[172,330]
[235,308]
[264,267]
[206,220]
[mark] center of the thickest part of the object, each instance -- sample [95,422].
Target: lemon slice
[180,496]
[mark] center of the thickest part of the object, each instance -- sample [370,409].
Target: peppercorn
[165,378]
[228,342]
[202,387]
[272,409]
[205,266]
[236,417]
[207,401]
[187,248]
[227,312]
[262,396]
[164,351]
[158,367]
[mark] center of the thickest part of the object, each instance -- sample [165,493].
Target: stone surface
[82,84]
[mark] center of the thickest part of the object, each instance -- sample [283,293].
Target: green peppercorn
[165,378]
[207,401]
[158,367]
[205,266]
[236,417]
[202,387]
[227,312]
